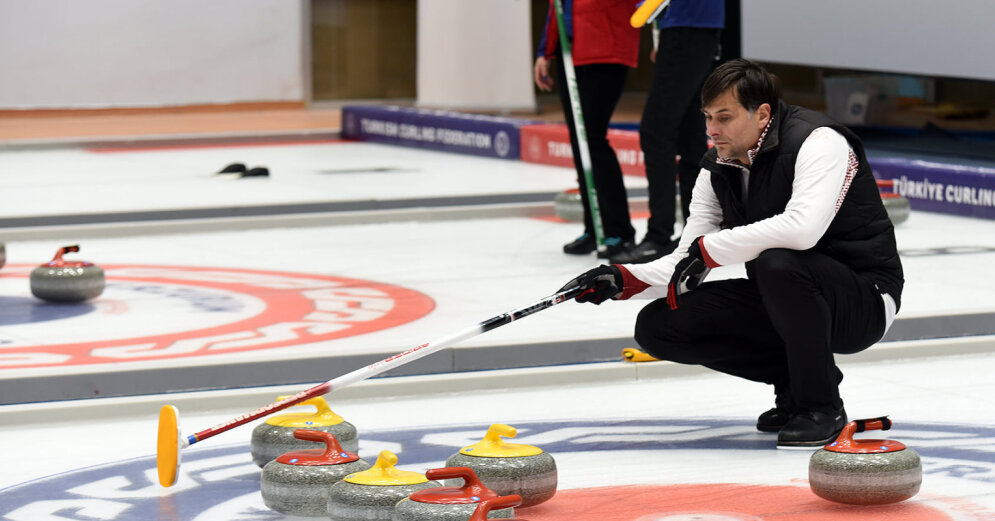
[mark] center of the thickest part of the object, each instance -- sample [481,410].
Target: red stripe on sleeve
[630,284]
[709,261]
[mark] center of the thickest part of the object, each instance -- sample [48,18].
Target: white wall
[128,53]
[924,37]
[475,54]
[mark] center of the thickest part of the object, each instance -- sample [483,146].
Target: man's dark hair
[752,84]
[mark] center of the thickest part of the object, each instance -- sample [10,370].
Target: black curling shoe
[581,245]
[811,429]
[613,247]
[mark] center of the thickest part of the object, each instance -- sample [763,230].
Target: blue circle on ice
[224,482]
[28,310]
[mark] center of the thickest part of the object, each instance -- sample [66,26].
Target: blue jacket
[694,13]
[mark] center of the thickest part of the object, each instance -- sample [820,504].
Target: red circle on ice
[280,309]
[714,502]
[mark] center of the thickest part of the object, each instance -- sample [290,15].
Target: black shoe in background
[613,247]
[811,429]
[646,251]
[581,245]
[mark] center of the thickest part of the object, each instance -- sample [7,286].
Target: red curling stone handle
[871,424]
[494,503]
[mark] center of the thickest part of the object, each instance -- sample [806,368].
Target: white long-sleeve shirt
[824,167]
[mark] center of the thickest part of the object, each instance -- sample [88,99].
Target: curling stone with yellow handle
[297,483]
[509,468]
[632,354]
[275,436]
[865,472]
[60,280]
[370,495]
[448,503]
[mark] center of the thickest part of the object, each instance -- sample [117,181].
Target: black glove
[688,273]
[597,285]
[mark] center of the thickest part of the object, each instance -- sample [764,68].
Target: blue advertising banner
[940,187]
[489,136]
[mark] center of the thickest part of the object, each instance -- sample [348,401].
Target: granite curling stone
[486,506]
[509,468]
[448,503]
[898,207]
[568,205]
[297,483]
[275,436]
[865,472]
[67,281]
[370,495]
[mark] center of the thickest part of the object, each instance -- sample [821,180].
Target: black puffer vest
[860,236]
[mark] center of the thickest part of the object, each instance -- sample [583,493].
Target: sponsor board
[940,187]
[550,145]
[158,312]
[626,470]
[448,131]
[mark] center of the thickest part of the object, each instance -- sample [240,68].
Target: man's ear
[763,114]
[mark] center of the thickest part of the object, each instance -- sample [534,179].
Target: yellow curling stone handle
[383,473]
[631,354]
[492,446]
[324,416]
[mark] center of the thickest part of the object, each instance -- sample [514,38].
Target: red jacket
[601,32]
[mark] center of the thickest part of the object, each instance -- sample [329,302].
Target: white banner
[475,54]
[111,53]
[906,36]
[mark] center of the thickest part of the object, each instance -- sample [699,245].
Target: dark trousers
[672,123]
[781,327]
[600,87]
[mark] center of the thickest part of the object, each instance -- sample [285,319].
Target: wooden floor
[96,124]
[33,126]
[163,122]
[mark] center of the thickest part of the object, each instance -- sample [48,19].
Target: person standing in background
[604,47]
[672,124]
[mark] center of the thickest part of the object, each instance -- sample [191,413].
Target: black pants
[600,87]
[781,327]
[672,122]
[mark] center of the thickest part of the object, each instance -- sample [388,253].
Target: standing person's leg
[818,307]
[585,243]
[600,88]
[692,142]
[683,61]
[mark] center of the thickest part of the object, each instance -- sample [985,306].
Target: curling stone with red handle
[448,503]
[370,495]
[297,483]
[897,205]
[865,472]
[275,436]
[67,281]
[509,468]
[568,205]
[485,507]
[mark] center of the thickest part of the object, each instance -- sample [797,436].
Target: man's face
[733,129]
